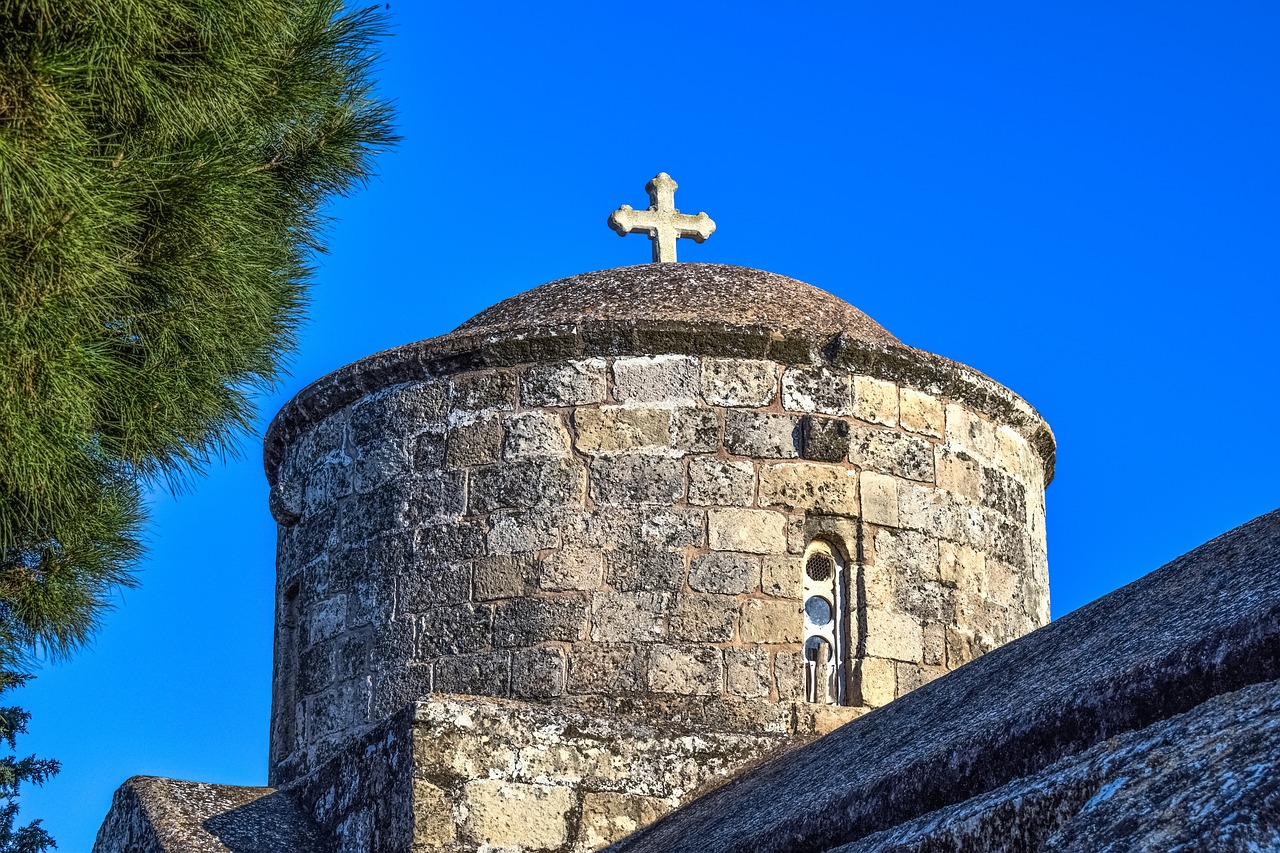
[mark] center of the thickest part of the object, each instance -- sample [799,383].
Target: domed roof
[684,292]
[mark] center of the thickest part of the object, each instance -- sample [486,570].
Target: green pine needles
[163,164]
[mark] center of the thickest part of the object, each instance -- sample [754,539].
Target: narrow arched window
[824,628]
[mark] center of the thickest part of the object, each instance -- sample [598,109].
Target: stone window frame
[840,612]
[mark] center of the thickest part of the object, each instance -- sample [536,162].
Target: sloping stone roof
[688,293]
[153,815]
[1146,718]
[653,309]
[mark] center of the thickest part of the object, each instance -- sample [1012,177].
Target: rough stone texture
[153,815]
[1136,722]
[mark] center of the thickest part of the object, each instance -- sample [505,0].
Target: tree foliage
[163,166]
[15,772]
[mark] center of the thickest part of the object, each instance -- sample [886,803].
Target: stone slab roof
[153,815]
[689,293]
[1159,697]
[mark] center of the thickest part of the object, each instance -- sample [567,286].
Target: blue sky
[1080,200]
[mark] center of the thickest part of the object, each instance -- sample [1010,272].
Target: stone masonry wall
[629,529]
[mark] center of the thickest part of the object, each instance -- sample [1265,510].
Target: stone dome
[681,293]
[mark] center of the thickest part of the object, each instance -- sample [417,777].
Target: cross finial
[663,223]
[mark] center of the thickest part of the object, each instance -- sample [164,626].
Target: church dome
[681,293]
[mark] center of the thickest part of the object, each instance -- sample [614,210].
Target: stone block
[935,644]
[894,636]
[474,442]
[572,568]
[889,452]
[879,499]
[781,577]
[503,576]
[629,617]
[433,819]
[968,431]
[522,532]
[516,815]
[875,682]
[721,482]
[630,479]
[608,817]
[788,675]
[478,675]
[695,430]
[577,383]
[1015,456]
[748,673]
[674,528]
[762,435]
[430,497]
[483,390]
[921,413]
[825,439]
[908,554]
[527,621]
[530,484]
[958,472]
[617,429]
[815,390]
[771,620]
[533,435]
[724,572]
[327,618]
[703,618]
[810,486]
[635,567]
[537,673]
[604,669]
[689,670]
[429,449]
[455,541]
[875,401]
[650,379]
[460,629]
[739,382]
[910,677]
[963,568]
[751,530]
[1005,495]
[432,584]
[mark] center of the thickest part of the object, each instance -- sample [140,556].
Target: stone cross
[662,221]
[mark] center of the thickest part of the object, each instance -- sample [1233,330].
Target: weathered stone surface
[921,412]
[632,478]
[751,530]
[614,429]
[689,670]
[1099,731]
[577,383]
[739,382]
[958,472]
[875,401]
[486,674]
[604,668]
[525,622]
[694,429]
[810,486]
[879,499]
[521,532]
[537,673]
[532,435]
[474,442]
[762,435]
[703,618]
[823,391]
[825,439]
[780,577]
[504,576]
[894,635]
[608,817]
[769,620]
[572,568]
[629,617]
[506,814]
[724,572]
[748,672]
[530,484]
[663,378]
[892,453]
[721,482]
[153,815]
[640,568]
[486,389]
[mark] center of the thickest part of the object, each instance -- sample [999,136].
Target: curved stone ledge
[461,351]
